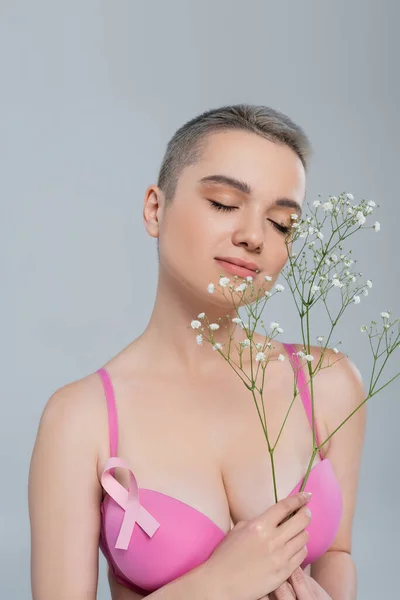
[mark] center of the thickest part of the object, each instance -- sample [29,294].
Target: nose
[250,233]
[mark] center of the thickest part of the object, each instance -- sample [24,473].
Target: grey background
[90,94]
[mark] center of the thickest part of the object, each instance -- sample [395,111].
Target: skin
[181,408]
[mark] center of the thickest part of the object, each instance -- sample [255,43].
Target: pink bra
[150,538]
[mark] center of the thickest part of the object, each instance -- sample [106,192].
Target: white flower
[245,342]
[320,235]
[268,278]
[294,216]
[350,197]
[385,315]
[309,357]
[316,203]
[311,230]
[365,292]
[335,350]
[211,288]
[249,278]
[336,282]
[258,346]
[301,354]
[260,356]
[327,205]
[279,287]
[267,294]
[348,262]
[369,283]
[360,217]
[377,226]
[274,325]
[195,324]
[201,315]
[214,326]
[294,225]
[279,329]
[356,299]
[334,258]
[350,210]
[237,320]
[315,288]
[241,288]
[199,339]
[217,346]
[363,328]
[320,338]
[371,203]
[281,357]
[223,282]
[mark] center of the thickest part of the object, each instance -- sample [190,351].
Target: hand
[300,586]
[257,556]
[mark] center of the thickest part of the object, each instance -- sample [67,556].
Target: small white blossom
[274,325]
[217,346]
[316,203]
[249,278]
[365,292]
[371,203]
[369,283]
[311,230]
[377,226]
[268,278]
[223,282]
[279,329]
[294,216]
[199,339]
[309,357]
[356,299]
[279,287]
[267,294]
[294,225]
[301,354]
[320,235]
[281,357]
[363,328]
[320,338]
[214,326]
[335,350]
[237,320]
[334,258]
[258,346]
[260,356]
[350,197]
[336,282]
[327,206]
[211,288]
[360,217]
[315,288]
[201,315]
[385,315]
[350,210]
[245,342]
[241,288]
[348,262]
[195,324]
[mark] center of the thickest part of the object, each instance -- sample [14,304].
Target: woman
[171,416]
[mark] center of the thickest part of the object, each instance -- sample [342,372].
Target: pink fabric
[150,538]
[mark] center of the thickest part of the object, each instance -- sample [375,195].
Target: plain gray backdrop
[91,92]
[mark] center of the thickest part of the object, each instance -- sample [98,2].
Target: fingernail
[307,495]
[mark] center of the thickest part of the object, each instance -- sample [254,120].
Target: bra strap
[111,411]
[302,387]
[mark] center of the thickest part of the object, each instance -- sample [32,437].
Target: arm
[64,496]
[341,387]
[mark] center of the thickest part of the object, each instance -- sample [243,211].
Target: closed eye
[225,208]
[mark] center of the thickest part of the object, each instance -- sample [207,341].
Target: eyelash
[224,208]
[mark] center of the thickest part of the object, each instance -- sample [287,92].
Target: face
[225,206]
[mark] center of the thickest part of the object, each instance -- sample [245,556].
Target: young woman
[172,417]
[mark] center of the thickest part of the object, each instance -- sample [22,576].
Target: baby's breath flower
[214,326]
[363,328]
[279,329]
[335,350]
[311,230]
[195,324]
[260,356]
[217,346]
[281,357]
[364,292]
[377,226]
[258,345]
[348,262]
[274,325]
[199,339]
[267,294]
[369,283]
[320,235]
[334,258]
[356,299]
[241,288]
[371,203]
[245,342]
[385,315]
[268,278]
[223,282]
[336,282]
[360,217]
[327,206]
[350,197]
[301,354]
[315,288]
[316,203]
[294,225]
[201,315]
[309,357]
[279,287]
[294,216]
[237,320]
[211,288]
[249,278]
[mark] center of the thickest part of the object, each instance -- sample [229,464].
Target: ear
[153,210]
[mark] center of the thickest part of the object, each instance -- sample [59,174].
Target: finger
[286,507]
[300,585]
[284,592]
[296,524]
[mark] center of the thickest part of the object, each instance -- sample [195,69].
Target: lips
[239,262]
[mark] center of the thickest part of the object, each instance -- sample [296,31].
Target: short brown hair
[184,148]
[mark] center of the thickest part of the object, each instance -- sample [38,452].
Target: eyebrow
[245,188]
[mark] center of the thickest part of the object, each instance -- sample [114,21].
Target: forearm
[196,584]
[336,573]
